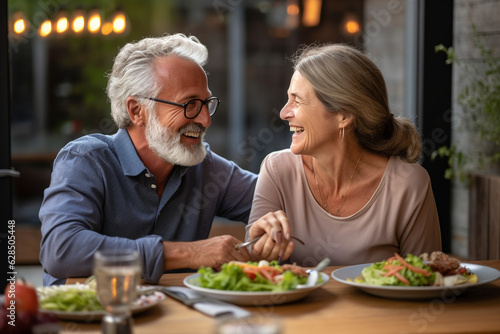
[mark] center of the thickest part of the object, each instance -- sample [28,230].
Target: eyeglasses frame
[185,105]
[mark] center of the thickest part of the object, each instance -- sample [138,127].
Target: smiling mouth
[296,129]
[192,134]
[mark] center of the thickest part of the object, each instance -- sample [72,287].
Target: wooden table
[338,308]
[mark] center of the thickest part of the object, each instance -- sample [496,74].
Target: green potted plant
[474,156]
[478,116]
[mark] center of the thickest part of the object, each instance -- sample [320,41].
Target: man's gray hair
[133,74]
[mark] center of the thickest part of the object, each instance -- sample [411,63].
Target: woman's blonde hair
[348,82]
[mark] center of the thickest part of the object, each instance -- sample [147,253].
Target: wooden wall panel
[494,218]
[478,220]
[484,219]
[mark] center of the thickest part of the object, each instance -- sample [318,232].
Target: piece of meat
[297,270]
[441,262]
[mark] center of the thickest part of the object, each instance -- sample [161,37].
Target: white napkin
[210,306]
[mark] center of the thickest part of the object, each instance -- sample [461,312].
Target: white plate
[140,305]
[484,275]
[253,298]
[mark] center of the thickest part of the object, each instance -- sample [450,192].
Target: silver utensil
[248,243]
[314,274]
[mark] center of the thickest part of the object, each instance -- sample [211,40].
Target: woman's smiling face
[314,127]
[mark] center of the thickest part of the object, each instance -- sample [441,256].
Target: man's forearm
[178,255]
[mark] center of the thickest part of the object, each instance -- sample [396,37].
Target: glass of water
[117,274]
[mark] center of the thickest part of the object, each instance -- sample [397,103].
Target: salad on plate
[69,298]
[78,301]
[438,269]
[260,276]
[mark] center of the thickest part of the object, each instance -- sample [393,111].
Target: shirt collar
[125,149]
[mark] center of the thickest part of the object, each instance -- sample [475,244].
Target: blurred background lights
[62,24]
[352,26]
[312,13]
[19,26]
[45,28]
[107,28]
[292,9]
[20,23]
[351,23]
[75,22]
[94,24]
[119,23]
[78,22]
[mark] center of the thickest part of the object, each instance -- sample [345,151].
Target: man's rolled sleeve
[151,247]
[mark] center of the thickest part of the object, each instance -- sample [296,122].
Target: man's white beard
[167,145]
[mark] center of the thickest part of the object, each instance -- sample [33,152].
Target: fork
[248,243]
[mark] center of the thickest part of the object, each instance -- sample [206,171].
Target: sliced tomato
[272,270]
[266,274]
[251,272]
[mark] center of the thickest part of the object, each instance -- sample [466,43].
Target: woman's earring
[341,134]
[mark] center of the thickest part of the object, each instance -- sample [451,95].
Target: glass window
[59,77]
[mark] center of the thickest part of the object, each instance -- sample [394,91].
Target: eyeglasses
[192,108]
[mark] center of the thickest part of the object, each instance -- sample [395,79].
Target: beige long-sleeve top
[401,216]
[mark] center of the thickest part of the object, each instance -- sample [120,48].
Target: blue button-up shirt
[102,196]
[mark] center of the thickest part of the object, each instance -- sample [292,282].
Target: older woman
[349,186]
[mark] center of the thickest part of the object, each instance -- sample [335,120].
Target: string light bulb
[62,24]
[78,24]
[20,23]
[94,23]
[19,26]
[119,23]
[45,28]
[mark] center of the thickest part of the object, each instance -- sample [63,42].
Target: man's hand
[212,252]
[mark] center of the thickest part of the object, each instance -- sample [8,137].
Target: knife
[210,306]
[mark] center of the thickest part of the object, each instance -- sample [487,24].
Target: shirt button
[153,186]
[147,175]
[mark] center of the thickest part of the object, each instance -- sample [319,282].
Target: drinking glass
[117,274]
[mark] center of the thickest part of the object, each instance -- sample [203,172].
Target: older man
[154,186]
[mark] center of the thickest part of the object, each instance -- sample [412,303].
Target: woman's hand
[276,240]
